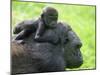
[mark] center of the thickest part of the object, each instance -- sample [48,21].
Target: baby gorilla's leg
[20,37]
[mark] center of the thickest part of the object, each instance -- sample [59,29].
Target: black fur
[47,57]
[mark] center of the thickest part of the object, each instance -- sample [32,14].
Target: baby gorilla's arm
[40,30]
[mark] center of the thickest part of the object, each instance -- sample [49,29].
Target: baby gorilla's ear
[42,15]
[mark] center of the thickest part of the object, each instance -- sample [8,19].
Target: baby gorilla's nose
[53,24]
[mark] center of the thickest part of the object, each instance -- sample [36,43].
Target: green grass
[80,18]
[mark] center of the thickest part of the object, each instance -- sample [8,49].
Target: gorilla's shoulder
[64,26]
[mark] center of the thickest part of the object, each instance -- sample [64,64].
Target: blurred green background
[80,17]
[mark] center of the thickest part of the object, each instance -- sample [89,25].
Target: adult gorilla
[35,57]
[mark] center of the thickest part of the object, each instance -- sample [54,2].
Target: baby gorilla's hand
[36,37]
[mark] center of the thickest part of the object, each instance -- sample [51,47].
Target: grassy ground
[80,18]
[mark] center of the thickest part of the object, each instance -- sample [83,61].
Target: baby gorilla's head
[49,16]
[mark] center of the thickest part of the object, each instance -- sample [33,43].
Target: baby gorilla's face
[50,17]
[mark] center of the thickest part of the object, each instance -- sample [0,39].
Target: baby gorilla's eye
[52,17]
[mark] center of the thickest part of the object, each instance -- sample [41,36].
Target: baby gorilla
[47,20]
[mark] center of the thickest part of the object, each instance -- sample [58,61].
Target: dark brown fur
[16,49]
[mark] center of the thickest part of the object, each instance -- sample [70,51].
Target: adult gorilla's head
[72,54]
